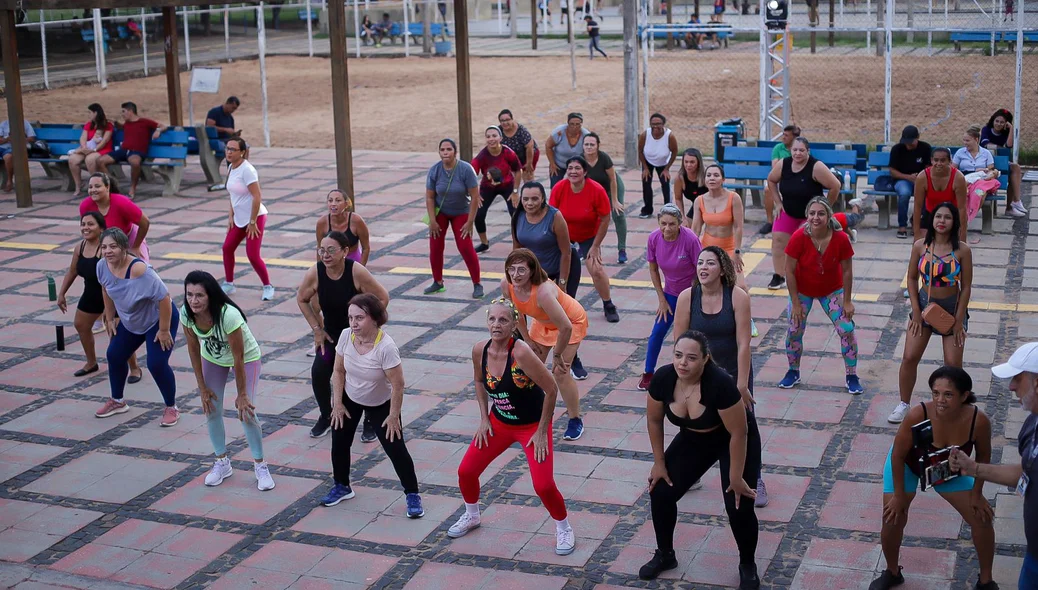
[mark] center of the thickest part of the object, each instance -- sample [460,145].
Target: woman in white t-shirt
[246,218]
[369,378]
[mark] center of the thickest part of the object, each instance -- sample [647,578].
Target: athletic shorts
[121,155]
[963,483]
[787,224]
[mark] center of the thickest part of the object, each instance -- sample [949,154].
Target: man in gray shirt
[1022,368]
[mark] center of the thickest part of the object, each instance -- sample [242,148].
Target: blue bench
[745,168]
[313,14]
[859,148]
[958,39]
[879,162]
[88,37]
[166,157]
[61,138]
[678,30]
[211,153]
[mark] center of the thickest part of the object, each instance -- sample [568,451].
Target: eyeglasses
[329,250]
[230,149]
[518,270]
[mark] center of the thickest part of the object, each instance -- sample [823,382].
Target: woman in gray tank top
[539,227]
[715,306]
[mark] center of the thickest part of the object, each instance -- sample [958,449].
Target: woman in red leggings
[247,217]
[523,393]
[451,199]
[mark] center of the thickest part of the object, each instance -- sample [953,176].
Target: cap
[910,134]
[1024,360]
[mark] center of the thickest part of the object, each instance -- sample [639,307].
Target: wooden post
[697,10]
[341,96]
[832,22]
[534,13]
[670,21]
[169,34]
[461,53]
[427,18]
[13,82]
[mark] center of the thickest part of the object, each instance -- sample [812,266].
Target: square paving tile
[26,528]
[237,498]
[392,525]
[858,506]
[10,400]
[18,457]
[43,372]
[436,462]
[189,436]
[105,477]
[442,576]
[72,419]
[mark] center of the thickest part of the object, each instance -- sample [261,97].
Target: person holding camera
[951,419]
[1022,369]
[945,264]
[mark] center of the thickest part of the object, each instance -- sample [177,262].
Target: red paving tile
[18,457]
[237,498]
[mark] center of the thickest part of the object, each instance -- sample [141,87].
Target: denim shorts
[947,304]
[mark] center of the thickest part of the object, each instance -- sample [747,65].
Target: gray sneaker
[477,291]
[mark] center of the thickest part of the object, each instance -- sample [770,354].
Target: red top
[507,162]
[137,134]
[89,128]
[935,197]
[817,274]
[122,213]
[582,211]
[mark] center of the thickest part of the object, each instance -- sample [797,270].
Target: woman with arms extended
[219,341]
[701,399]
[520,393]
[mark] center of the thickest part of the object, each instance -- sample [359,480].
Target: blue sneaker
[414,506]
[854,385]
[621,257]
[792,378]
[574,429]
[577,370]
[337,494]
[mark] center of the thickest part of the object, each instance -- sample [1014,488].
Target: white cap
[1024,360]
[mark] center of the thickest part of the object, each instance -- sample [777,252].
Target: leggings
[833,306]
[321,376]
[620,221]
[688,458]
[573,280]
[252,249]
[489,195]
[1029,573]
[659,332]
[215,378]
[476,461]
[647,188]
[125,343]
[342,440]
[436,246]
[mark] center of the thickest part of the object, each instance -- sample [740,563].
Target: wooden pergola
[340,77]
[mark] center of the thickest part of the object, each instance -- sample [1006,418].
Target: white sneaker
[98,327]
[564,542]
[466,523]
[1019,206]
[1014,212]
[696,486]
[228,287]
[312,351]
[898,415]
[268,292]
[221,470]
[854,236]
[263,480]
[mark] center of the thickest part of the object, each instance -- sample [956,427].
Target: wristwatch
[562,282]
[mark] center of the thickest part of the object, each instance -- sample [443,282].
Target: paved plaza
[120,503]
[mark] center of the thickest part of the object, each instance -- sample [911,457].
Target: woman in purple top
[146,316]
[673,249]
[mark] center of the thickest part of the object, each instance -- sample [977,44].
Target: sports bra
[915,454]
[351,238]
[723,218]
[938,271]
[516,398]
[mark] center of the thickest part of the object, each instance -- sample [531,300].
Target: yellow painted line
[864,297]
[762,244]
[904,281]
[27,246]
[217,258]
[750,260]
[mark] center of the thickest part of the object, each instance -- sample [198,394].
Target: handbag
[936,316]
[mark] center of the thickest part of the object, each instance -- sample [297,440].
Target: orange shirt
[542,330]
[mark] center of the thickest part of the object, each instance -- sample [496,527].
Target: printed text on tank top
[719,220]
[516,398]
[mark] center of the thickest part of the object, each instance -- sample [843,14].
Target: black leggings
[688,457]
[489,195]
[342,440]
[647,188]
[573,280]
[321,376]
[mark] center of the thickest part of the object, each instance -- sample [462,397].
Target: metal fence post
[310,28]
[99,49]
[888,25]
[763,69]
[43,45]
[187,41]
[1017,91]
[407,29]
[227,31]
[144,40]
[261,42]
[356,22]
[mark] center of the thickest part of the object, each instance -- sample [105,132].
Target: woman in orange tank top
[559,323]
[718,221]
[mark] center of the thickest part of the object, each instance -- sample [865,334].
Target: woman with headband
[501,175]
[516,395]
[451,198]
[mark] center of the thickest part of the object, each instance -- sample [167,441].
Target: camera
[495,174]
[935,466]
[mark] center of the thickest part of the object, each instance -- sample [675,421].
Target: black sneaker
[887,580]
[777,282]
[482,248]
[321,428]
[748,578]
[610,312]
[369,432]
[988,586]
[765,229]
[645,215]
[577,370]
[659,563]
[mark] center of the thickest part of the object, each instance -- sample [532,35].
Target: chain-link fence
[951,65]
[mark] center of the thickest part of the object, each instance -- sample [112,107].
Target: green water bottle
[52,290]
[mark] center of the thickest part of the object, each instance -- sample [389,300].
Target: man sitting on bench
[7,151]
[222,117]
[382,29]
[137,135]
[907,159]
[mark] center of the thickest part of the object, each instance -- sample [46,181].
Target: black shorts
[121,155]
[91,301]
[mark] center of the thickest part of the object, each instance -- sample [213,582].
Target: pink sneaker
[170,416]
[111,408]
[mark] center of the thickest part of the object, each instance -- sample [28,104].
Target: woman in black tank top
[334,280]
[690,183]
[792,183]
[516,395]
[352,225]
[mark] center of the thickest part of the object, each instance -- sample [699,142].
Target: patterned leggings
[833,306]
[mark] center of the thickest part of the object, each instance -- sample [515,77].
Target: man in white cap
[1022,368]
